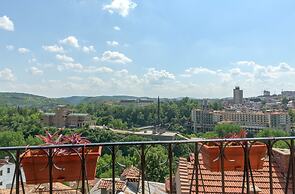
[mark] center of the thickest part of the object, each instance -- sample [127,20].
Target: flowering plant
[58,139]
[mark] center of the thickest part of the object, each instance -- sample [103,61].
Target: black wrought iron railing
[248,171]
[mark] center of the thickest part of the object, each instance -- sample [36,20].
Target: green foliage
[33,141]
[274,133]
[285,101]
[11,138]
[104,168]
[176,113]
[156,166]
[209,135]
[292,115]
[216,106]
[117,124]
[222,130]
[28,100]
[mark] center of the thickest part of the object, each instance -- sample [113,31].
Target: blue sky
[147,48]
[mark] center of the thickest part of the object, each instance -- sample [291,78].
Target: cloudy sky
[196,48]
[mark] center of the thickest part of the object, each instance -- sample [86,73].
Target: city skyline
[93,48]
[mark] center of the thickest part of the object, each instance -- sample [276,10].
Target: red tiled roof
[210,182]
[131,173]
[107,184]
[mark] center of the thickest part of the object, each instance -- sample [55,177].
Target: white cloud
[117,28]
[77,67]
[53,48]
[88,49]
[71,40]
[197,70]
[158,76]
[115,57]
[70,66]
[75,78]
[36,71]
[10,47]
[95,59]
[122,73]
[6,74]
[23,50]
[112,43]
[64,58]
[32,60]
[6,23]
[268,71]
[92,69]
[96,81]
[121,7]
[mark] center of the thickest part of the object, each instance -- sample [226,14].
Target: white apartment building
[6,173]
[204,120]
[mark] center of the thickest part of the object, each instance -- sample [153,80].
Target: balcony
[186,174]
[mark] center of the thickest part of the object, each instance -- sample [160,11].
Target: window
[1,172]
[8,170]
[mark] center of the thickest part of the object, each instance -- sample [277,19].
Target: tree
[285,101]
[216,106]
[209,135]
[156,168]
[11,138]
[274,133]
[224,129]
[292,115]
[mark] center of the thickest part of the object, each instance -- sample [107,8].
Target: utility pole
[158,111]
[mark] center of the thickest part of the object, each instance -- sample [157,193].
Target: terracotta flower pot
[233,157]
[66,167]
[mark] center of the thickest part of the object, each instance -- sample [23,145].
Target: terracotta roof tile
[131,173]
[107,184]
[210,182]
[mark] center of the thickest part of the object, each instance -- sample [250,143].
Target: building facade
[63,117]
[7,173]
[237,95]
[205,120]
[266,93]
[288,94]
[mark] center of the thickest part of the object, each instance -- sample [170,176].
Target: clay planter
[234,157]
[66,167]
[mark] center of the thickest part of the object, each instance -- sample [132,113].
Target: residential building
[237,95]
[137,101]
[63,117]
[6,173]
[202,120]
[129,182]
[266,93]
[205,120]
[288,94]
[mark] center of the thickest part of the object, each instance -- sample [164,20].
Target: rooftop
[211,182]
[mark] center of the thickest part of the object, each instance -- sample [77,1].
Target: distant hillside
[28,100]
[101,99]
[74,100]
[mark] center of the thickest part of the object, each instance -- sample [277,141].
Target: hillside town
[253,114]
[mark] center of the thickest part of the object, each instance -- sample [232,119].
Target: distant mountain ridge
[31,100]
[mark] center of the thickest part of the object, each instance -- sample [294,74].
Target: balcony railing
[196,184]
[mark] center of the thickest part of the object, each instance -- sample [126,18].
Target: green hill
[28,100]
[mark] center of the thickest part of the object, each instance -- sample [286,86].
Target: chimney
[281,157]
[6,159]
